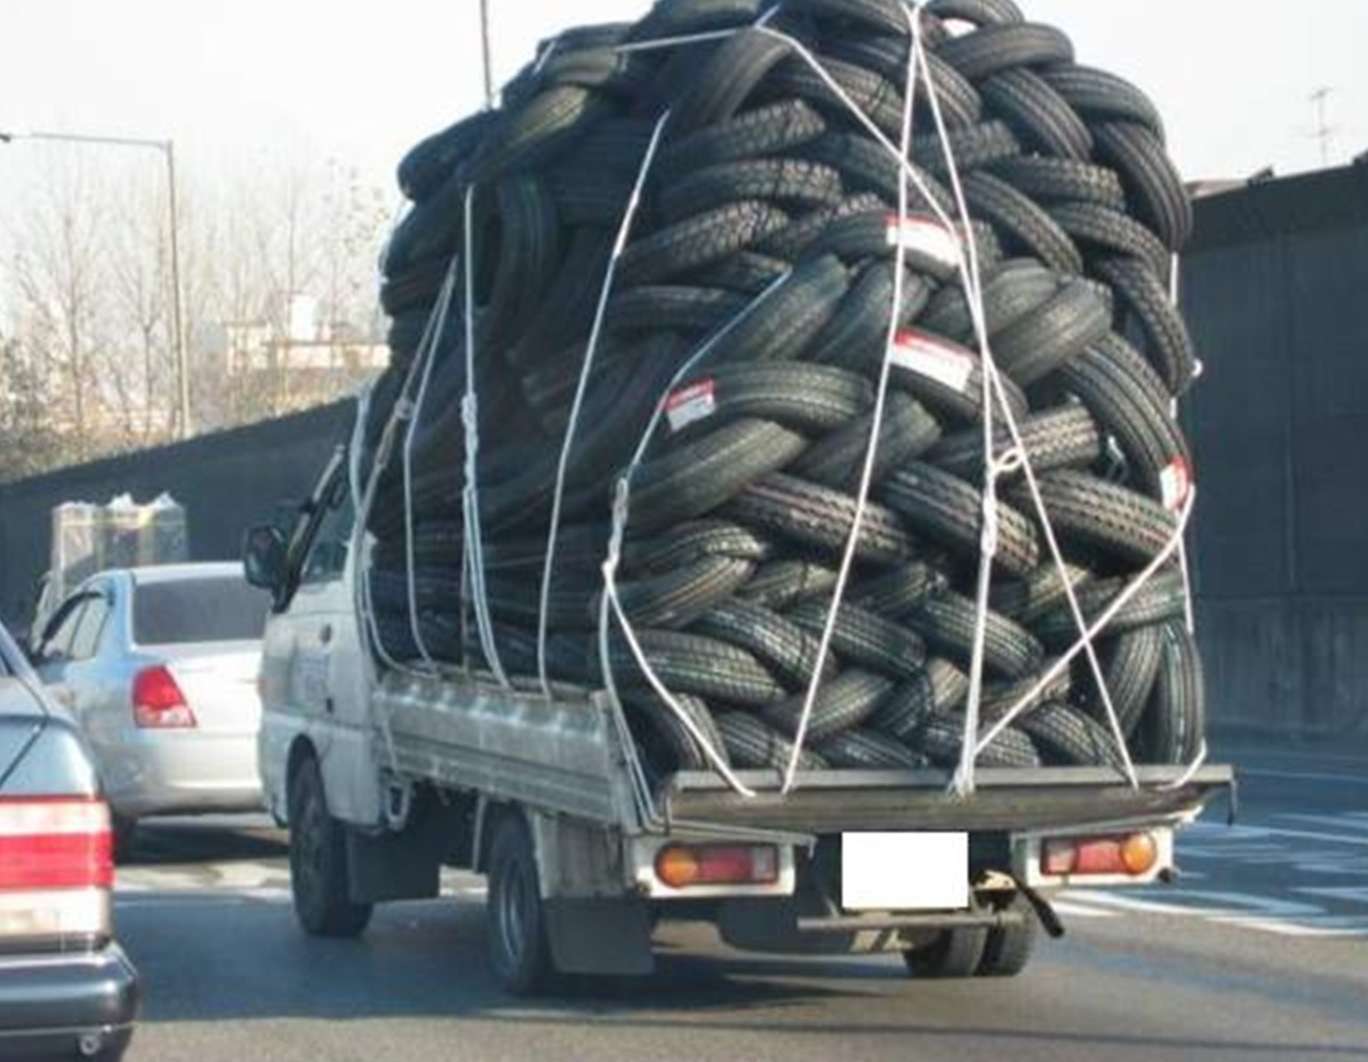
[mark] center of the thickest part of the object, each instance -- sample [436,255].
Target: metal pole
[182,368]
[488,60]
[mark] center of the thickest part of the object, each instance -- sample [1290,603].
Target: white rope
[431,339]
[360,570]
[993,467]
[1096,628]
[871,452]
[611,606]
[970,272]
[362,596]
[577,407]
[993,387]
[696,38]
[473,540]
[364,502]
[1189,611]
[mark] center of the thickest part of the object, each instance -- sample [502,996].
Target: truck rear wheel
[518,949]
[952,953]
[319,881]
[1007,951]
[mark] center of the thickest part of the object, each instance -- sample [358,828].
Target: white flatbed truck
[385,777]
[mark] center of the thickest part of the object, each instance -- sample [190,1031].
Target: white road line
[1215,905]
[1347,821]
[185,897]
[1321,927]
[1078,910]
[1348,893]
[1257,833]
[1304,925]
[153,878]
[247,875]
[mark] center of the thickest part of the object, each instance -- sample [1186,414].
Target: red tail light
[56,867]
[158,703]
[1131,854]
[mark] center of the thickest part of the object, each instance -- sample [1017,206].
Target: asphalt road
[1261,951]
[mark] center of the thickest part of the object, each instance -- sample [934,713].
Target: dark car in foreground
[66,988]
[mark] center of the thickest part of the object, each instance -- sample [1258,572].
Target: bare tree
[89,369]
[140,275]
[54,273]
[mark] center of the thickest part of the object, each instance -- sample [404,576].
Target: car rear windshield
[220,609]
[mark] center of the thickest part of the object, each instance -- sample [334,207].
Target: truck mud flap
[599,937]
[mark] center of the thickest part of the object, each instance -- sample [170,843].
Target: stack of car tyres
[769,231]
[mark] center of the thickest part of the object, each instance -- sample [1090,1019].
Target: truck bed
[565,756]
[1004,799]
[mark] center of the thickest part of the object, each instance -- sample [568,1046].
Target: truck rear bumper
[1006,800]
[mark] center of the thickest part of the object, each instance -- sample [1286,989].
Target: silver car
[159,667]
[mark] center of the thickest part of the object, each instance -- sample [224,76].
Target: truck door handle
[326,634]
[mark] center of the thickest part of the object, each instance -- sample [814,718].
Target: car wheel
[318,862]
[518,949]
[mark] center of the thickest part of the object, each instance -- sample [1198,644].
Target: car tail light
[56,868]
[158,703]
[1133,855]
[681,866]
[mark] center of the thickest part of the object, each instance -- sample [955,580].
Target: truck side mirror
[265,558]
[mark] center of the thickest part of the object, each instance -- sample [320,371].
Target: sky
[241,81]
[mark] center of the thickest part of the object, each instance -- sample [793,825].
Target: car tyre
[319,881]
[1007,951]
[953,953]
[518,949]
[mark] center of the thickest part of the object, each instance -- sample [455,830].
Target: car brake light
[1132,854]
[56,868]
[158,703]
[681,866]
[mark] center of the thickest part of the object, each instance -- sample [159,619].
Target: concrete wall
[1276,291]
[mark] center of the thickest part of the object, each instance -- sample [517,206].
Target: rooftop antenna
[1323,131]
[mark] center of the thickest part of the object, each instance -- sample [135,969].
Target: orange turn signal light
[1139,853]
[683,865]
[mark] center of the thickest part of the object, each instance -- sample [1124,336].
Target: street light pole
[168,150]
[488,58]
[182,369]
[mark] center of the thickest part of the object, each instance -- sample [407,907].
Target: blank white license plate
[904,871]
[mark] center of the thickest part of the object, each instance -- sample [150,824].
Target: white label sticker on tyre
[930,357]
[691,404]
[926,236]
[1176,483]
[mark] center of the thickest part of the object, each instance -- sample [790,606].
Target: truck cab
[313,686]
